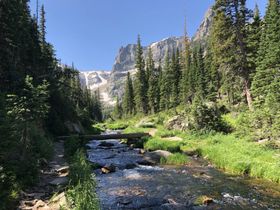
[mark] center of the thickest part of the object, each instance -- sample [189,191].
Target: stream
[135,184]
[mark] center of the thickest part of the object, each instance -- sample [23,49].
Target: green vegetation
[175,159]
[240,156]
[39,99]
[158,144]
[229,105]
[234,153]
[224,93]
[81,192]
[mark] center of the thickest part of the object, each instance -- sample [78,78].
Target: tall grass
[175,159]
[81,193]
[159,144]
[240,156]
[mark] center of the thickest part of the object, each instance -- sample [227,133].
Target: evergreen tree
[29,107]
[128,100]
[267,72]
[185,86]
[213,75]
[43,26]
[141,86]
[175,80]
[166,84]
[153,84]
[201,81]
[150,65]
[229,47]
[254,37]
[118,111]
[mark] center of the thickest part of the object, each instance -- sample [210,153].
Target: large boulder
[178,122]
[155,156]
[145,123]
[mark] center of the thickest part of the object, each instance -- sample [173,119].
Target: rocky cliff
[111,84]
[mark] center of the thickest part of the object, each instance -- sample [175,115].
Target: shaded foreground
[137,185]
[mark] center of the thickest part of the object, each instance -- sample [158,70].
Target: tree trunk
[248,95]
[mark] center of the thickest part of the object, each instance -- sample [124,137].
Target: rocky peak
[204,28]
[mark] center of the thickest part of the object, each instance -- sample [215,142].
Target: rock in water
[154,157]
[59,181]
[108,169]
[106,144]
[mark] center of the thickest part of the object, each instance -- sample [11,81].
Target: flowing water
[136,186]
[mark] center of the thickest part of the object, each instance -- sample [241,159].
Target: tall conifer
[141,86]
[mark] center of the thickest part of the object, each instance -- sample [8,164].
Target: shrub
[207,117]
[80,168]
[71,145]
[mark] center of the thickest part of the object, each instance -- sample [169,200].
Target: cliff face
[111,84]
[125,61]
[205,27]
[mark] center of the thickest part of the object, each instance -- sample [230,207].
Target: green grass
[228,152]
[136,130]
[81,194]
[175,159]
[159,144]
[240,156]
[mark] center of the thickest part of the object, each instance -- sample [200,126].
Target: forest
[220,97]
[38,95]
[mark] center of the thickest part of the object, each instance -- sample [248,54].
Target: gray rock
[178,123]
[59,181]
[108,169]
[154,157]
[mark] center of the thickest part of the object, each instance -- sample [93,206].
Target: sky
[89,33]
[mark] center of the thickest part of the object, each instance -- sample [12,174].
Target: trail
[48,193]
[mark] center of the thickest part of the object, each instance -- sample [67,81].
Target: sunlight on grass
[175,159]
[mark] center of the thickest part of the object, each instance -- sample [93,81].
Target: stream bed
[135,184]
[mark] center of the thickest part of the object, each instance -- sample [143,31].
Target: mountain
[204,29]
[111,83]
[97,80]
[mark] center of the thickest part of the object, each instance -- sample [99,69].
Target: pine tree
[222,45]
[201,81]
[150,65]
[213,75]
[184,84]
[29,107]
[128,100]
[254,37]
[153,84]
[118,111]
[175,80]
[229,47]
[268,72]
[166,84]
[43,26]
[141,86]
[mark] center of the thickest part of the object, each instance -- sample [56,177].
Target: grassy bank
[235,155]
[81,193]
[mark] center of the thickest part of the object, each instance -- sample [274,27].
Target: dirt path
[48,194]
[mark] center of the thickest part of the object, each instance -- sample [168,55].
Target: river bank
[136,183]
[231,152]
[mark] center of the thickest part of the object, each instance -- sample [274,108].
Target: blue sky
[90,32]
